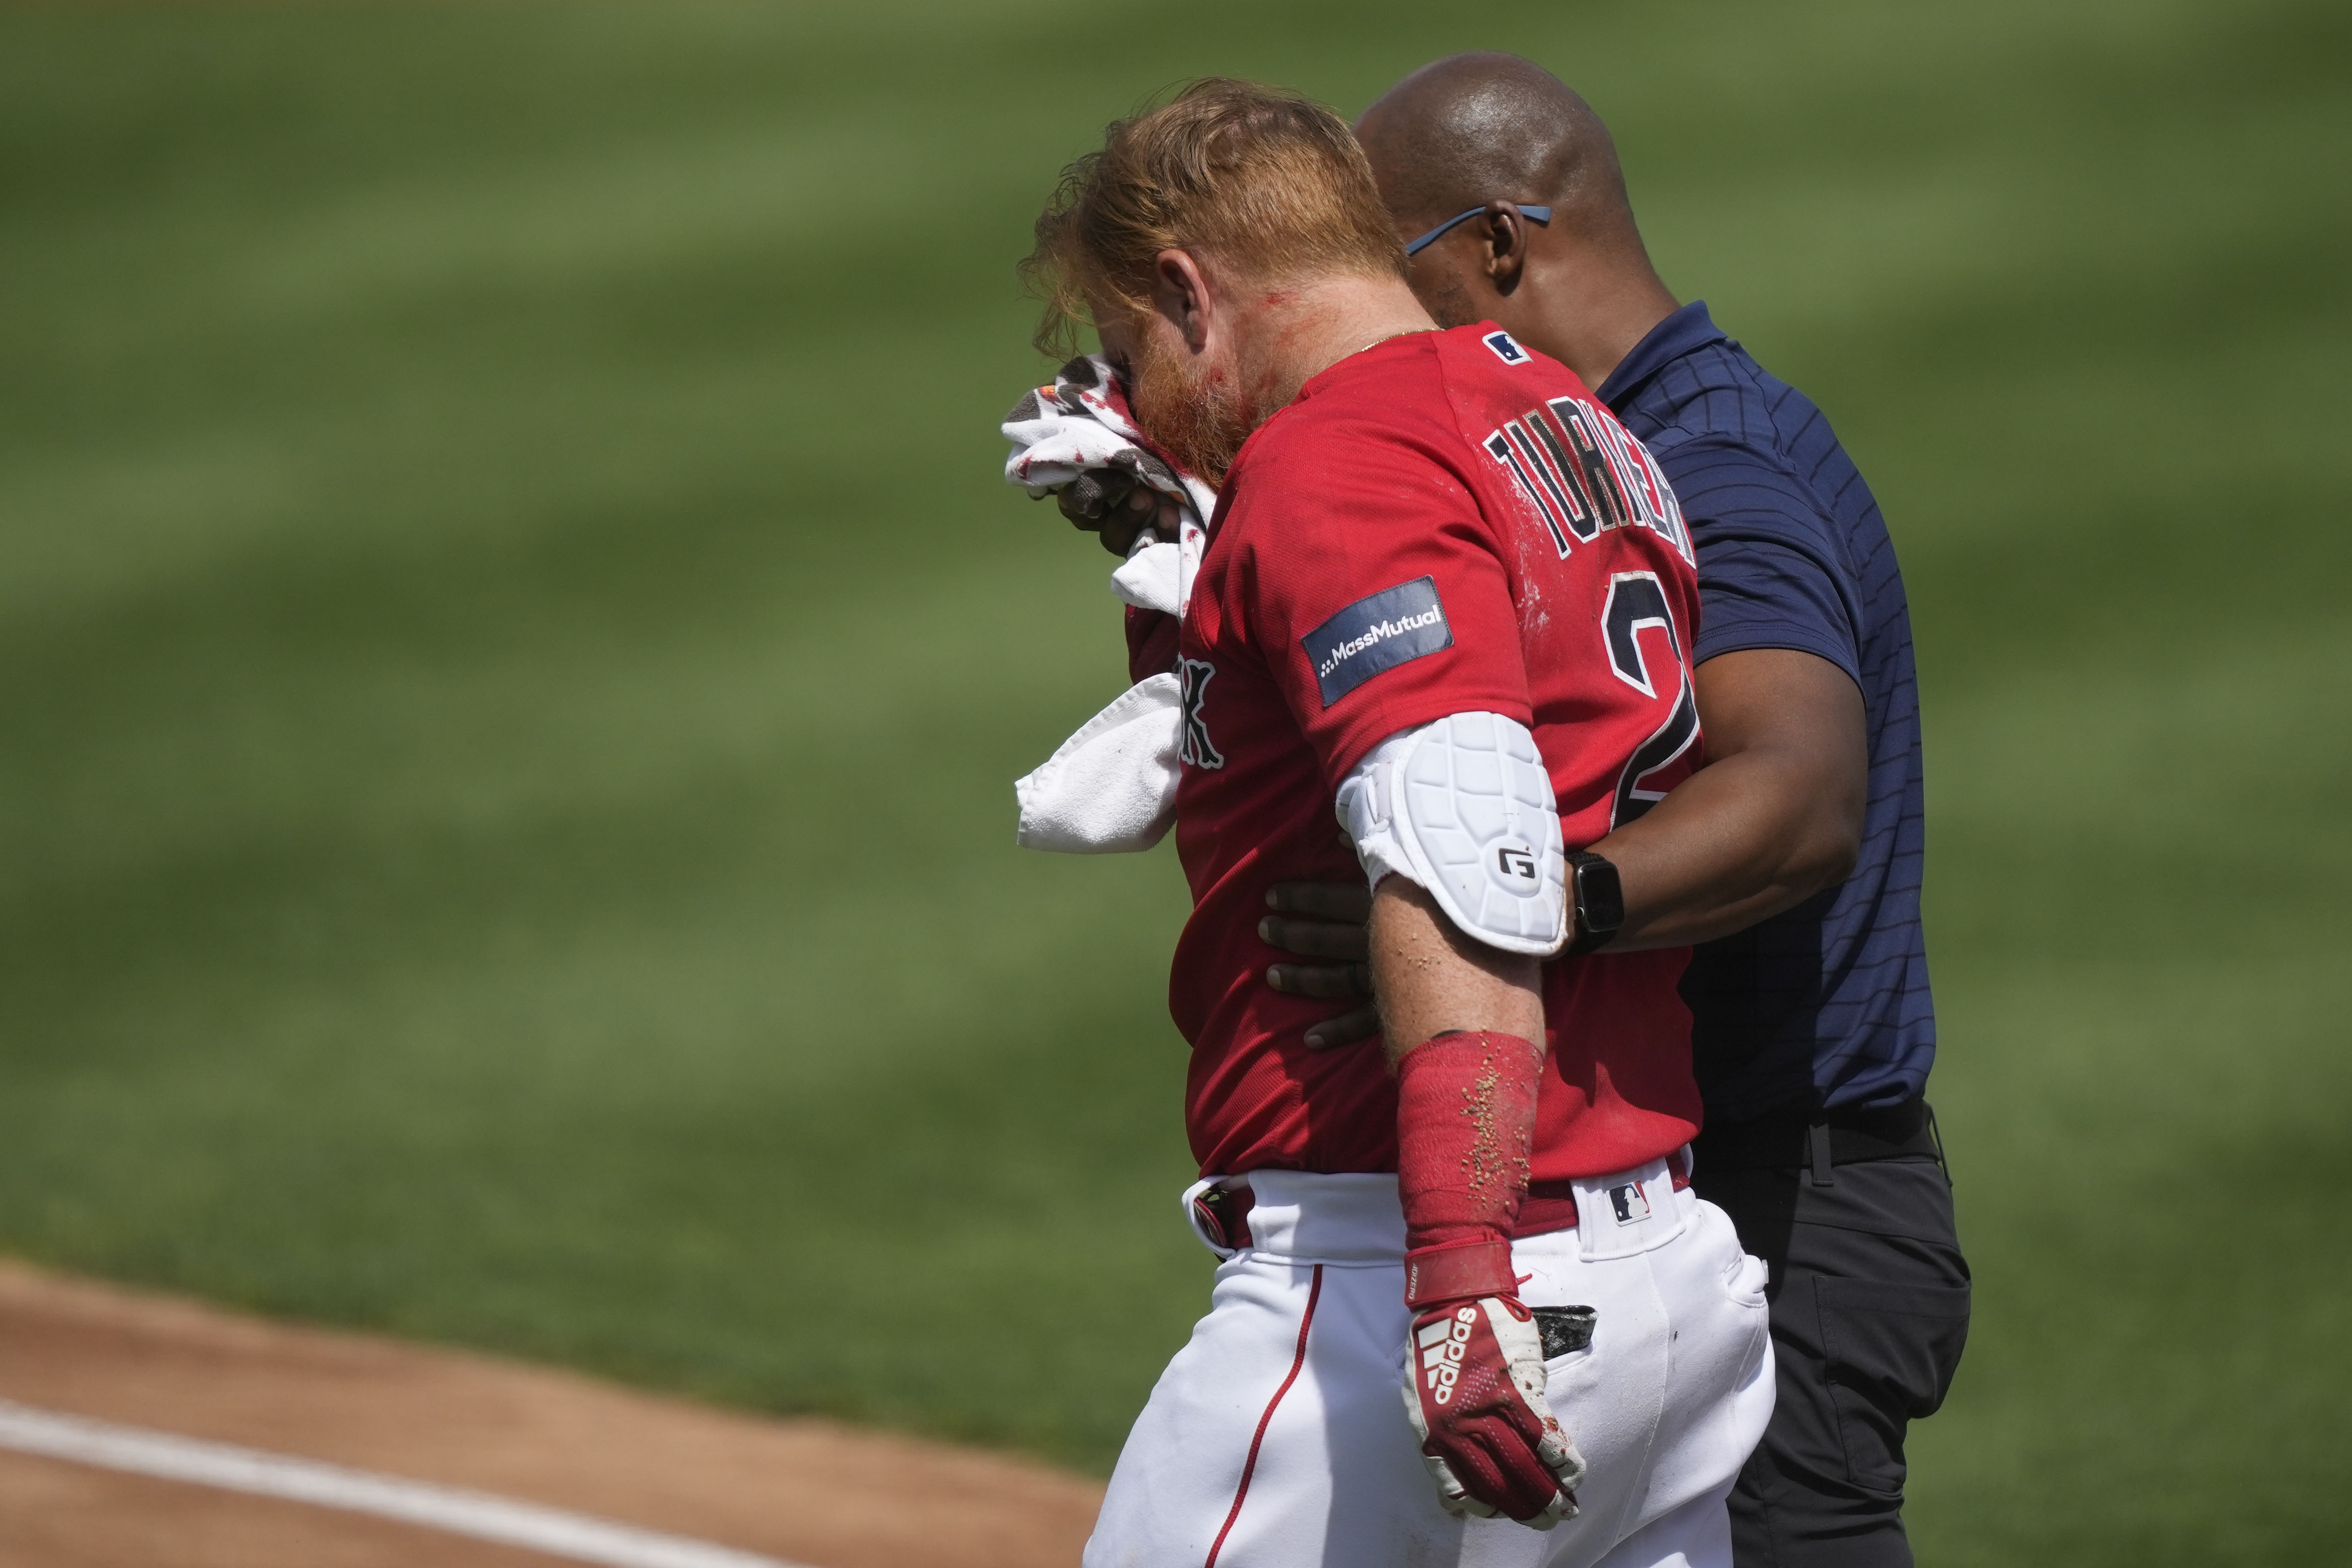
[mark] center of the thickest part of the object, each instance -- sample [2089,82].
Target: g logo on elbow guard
[1516,861]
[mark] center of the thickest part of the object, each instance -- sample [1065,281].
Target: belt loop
[1936,1132]
[1818,1135]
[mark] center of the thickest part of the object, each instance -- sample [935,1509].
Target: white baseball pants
[1277,1437]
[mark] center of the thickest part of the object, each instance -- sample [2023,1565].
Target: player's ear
[1506,256]
[1180,293]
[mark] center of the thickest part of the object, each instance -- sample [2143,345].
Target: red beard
[1195,417]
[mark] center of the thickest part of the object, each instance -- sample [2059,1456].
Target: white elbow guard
[1465,808]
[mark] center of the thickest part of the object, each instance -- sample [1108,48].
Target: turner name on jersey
[1586,475]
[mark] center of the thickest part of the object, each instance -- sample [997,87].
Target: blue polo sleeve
[1772,567]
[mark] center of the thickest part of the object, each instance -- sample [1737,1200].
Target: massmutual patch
[1393,627]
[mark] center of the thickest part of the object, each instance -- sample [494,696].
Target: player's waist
[1358,1217]
[1219,996]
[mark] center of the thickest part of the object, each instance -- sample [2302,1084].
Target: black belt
[1794,1140]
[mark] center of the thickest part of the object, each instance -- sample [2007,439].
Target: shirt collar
[1686,330]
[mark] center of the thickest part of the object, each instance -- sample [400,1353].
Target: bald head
[1480,137]
[1476,128]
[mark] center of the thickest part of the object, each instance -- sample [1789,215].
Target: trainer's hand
[1476,1397]
[1114,506]
[1324,920]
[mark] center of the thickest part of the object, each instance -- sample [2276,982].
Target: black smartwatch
[1597,900]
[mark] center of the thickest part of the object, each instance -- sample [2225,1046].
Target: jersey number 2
[1636,604]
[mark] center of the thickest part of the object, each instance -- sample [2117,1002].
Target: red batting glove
[1476,1401]
[1475,1373]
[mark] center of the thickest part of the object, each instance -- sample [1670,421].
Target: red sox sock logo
[1196,747]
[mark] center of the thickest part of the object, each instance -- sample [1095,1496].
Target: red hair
[1263,179]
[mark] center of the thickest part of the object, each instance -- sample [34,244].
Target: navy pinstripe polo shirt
[1827,1004]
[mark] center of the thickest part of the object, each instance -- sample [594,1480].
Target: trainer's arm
[1431,979]
[1773,818]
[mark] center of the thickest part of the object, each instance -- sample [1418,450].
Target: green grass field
[513,657]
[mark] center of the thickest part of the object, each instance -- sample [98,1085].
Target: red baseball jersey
[1442,523]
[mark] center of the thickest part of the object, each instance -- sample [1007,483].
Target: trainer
[1813,1030]
[1792,860]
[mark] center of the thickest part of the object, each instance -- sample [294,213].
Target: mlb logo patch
[1506,348]
[1631,1204]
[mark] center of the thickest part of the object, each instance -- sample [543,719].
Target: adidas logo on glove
[1442,1345]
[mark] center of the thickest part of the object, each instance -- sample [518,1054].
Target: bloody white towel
[1079,426]
[1111,787]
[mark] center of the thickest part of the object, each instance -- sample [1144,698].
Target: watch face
[1599,897]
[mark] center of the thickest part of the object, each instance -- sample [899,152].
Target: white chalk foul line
[485,1517]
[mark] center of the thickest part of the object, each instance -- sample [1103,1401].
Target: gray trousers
[1870,1309]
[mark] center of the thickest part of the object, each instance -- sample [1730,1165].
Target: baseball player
[1468,1310]
[1793,859]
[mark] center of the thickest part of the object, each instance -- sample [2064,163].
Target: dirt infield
[811,1492]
